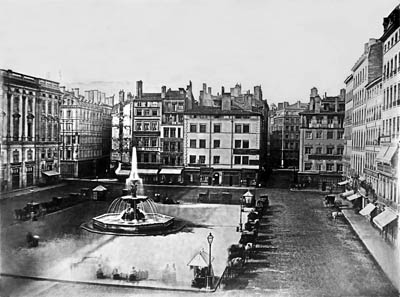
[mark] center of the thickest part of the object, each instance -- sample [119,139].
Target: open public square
[301,250]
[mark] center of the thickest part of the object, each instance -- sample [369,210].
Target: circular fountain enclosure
[112,220]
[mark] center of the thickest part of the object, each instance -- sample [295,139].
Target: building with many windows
[347,126]
[174,104]
[387,158]
[285,134]
[321,141]
[373,123]
[121,135]
[367,69]
[153,122]
[30,130]
[225,138]
[85,133]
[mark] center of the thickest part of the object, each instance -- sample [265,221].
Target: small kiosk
[199,264]
[99,193]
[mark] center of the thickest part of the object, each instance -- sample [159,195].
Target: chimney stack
[76,92]
[139,89]
[222,90]
[121,96]
[163,92]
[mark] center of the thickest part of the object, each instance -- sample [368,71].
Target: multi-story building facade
[174,104]
[347,126]
[387,158]
[30,130]
[121,134]
[373,123]
[285,135]
[153,122]
[367,69]
[147,115]
[85,133]
[225,138]
[321,141]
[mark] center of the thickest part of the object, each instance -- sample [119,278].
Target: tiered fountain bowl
[133,214]
[151,223]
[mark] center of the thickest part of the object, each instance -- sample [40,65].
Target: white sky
[286,46]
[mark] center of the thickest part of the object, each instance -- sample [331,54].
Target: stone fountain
[132,214]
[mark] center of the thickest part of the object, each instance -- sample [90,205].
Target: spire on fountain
[134,174]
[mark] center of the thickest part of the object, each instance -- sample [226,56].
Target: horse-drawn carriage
[32,210]
[262,203]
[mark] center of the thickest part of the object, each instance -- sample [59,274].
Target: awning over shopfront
[148,171]
[347,193]
[122,172]
[354,196]
[366,211]
[381,154]
[171,171]
[361,178]
[342,183]
[384,218]
[51,173]
[389,154]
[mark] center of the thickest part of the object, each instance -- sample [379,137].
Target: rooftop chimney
[139,89]
[209,90]
[121,96]
[222,90]
[163,91]
[76,92]
[314,92]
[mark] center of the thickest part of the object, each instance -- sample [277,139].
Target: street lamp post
[210,239]
[240,215]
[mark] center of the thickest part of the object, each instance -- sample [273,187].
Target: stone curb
[370,251]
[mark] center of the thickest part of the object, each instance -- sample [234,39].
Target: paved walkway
[116,181]
[20,192]
[387,256]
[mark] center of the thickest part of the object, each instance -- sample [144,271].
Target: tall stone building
[387,159]
[225,138]
[174,104]
[373,125]
[366,69]
[285,135]
[85,133]
[321,141]
[347,125]
[30,130]
[121,135]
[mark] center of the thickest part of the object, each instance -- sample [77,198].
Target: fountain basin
[112,222]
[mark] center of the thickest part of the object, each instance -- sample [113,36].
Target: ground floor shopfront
[382,213]
[220,177]
[85,168]
[320,180]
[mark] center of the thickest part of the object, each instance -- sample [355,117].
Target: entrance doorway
[15,178]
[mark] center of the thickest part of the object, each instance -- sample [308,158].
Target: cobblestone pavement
[303,252]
